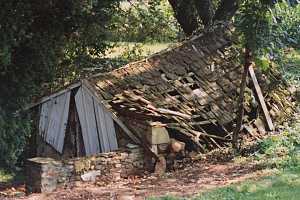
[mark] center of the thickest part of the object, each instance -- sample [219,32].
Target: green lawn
[284,185]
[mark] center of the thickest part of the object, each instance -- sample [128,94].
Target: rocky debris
[90,176]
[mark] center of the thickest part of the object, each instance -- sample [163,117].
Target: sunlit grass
[281,186]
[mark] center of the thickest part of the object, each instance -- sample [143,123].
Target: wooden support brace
[261,99]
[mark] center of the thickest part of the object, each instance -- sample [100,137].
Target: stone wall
[45,174]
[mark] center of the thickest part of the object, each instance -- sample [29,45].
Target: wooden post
[261,99]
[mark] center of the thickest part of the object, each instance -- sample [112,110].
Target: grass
[283,185]
[292,65]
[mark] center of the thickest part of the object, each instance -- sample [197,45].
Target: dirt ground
[187,182]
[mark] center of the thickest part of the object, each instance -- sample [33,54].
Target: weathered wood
[171,112]
[53,120]
[131,135]
[106,129]
[261,99]
[85,107]
[114,117]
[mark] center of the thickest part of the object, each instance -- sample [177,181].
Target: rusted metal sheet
[86,113]
[53,120]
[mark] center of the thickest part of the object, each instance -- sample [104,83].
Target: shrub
[281,150]
[145,22]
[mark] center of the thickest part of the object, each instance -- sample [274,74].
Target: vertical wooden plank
[58,118]
[102,129]
[86,114]
[44,118]
[261,99]
[111,132]
[99,99]
[106,129]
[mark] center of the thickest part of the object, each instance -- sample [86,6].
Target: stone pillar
[42,174]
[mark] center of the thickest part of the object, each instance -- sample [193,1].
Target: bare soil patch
[194,178]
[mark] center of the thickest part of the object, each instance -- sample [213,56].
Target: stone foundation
[46,174]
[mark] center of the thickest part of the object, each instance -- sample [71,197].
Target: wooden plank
[102,128]
[261,99]
[58,112]
[171,112]
[44,117]
[106,129]
[85,107]
[130,134]
[113,116]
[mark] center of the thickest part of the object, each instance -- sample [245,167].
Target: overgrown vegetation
[269,29]
[41,46]
[46,45]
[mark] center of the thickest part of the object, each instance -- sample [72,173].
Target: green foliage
[291,65]
[41,46]
[267,29]
[133,53]
[281,151]
[13,136]
[144,22]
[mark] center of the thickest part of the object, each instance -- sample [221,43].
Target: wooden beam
[261,99]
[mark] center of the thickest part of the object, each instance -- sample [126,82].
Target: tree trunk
[205,11]
[186,15]
[226,10]
[240,113]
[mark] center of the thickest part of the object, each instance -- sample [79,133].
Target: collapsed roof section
[191,88]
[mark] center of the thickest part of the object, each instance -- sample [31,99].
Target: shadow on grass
[282,186]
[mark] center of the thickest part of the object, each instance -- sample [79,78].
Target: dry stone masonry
[46,174]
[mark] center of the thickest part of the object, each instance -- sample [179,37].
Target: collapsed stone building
[188,93]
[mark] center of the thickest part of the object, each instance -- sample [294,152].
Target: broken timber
[261,99]
[193,89]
